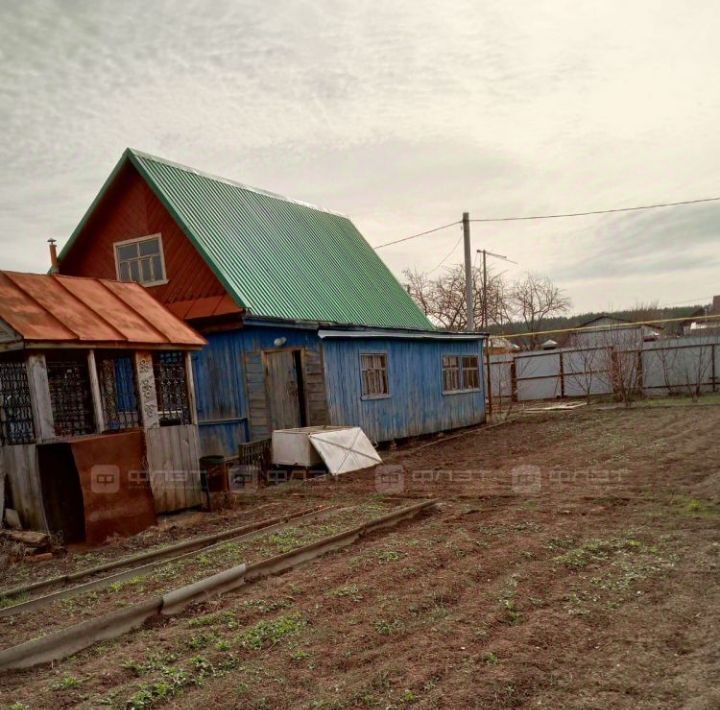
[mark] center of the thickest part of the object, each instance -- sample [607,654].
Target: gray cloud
[401,114]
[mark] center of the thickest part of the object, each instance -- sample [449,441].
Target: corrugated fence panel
[680,369]
[501,376]
[416,403]
[538,376]
[685,365]
[587,372]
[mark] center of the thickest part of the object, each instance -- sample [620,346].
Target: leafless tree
[587,371]
[646,311]
[684,370]
[535,298]
[626,373]
[442,299]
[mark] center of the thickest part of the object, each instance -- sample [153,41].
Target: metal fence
[689,365]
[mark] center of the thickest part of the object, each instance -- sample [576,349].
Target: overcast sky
[399,114]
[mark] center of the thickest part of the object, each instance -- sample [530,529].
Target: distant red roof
[44,308]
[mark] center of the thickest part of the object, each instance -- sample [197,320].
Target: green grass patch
[12,601]
[349,591]
[270,632]
[597,551]
[387,627]
[67,682]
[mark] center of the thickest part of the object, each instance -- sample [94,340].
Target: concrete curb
[75,638]
[40,602]
[174,602]
[192,544]
[60,644]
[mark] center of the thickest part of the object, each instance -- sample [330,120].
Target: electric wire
[447,256]
[559,215]
[420,234]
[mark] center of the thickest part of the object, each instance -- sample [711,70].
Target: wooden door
[283,383]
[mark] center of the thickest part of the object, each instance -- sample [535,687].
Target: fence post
[489,379]
[562,376]
[713,354]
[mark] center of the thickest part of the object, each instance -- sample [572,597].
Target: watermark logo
[526,480]
[104,478]
[390,480]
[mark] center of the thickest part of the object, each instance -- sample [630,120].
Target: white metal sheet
[345,450]
[292,447]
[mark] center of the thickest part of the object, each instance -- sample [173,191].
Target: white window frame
[461,374]
[383,354]
[137,240]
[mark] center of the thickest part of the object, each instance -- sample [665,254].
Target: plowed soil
[574,562]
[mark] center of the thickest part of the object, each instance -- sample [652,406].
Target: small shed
[98,425]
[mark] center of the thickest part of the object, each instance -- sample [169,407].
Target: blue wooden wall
[221,388]
[226,370]
[416,404]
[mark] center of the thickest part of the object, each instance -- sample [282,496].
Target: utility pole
[485,254]
[469,294]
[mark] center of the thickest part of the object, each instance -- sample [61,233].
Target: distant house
[605,329]
[96,406]
[696,325]
[305,324]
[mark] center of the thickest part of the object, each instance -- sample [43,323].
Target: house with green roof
[305,323]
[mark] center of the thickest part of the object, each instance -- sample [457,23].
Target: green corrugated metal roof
[279,258]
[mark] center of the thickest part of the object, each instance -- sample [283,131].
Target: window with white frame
[460,373]
[141,260]
[451,373]
[471,372]
[374,375]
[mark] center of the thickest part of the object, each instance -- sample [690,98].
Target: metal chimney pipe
[54,264]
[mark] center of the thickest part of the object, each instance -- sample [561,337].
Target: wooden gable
[128,210]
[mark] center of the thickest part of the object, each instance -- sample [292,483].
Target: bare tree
[646,311]
[535,298]
[586,371]
[443,299]
[685,370]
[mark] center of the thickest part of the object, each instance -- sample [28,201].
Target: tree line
[529,303]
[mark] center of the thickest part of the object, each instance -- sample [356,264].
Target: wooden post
[486,343]
[713,375]
[191,388]
[40,397]
[95,392]
[145,374]
[469,286]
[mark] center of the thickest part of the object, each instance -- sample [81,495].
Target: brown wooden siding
[314,380]
[130,209]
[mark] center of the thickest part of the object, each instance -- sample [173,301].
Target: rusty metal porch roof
[49,309]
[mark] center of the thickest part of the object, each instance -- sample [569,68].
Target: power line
[692,301]
[420,234]
[556,216]
[593,212]
[448,255]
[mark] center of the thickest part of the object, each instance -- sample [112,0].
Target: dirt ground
[573,562]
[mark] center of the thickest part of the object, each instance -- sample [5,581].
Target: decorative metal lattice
[172,388]
[118,391]
[16,420]
[70,395]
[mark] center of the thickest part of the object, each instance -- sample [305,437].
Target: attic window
[141,260]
